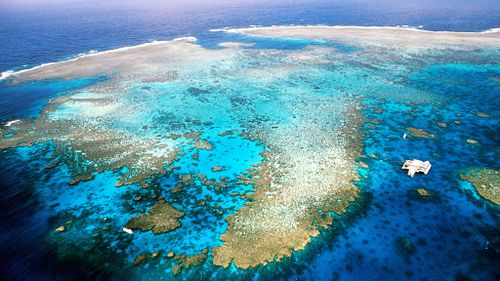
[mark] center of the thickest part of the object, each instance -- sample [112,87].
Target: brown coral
[160,219]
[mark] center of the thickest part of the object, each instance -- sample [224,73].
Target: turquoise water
[449,232]
[212,39]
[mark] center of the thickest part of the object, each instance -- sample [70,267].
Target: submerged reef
[405,246]
[419,133]
[486,182]
[424,195]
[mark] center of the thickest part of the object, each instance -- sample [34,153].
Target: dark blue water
[35,32]
[27,100]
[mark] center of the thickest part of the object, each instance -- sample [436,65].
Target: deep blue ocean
[450,233]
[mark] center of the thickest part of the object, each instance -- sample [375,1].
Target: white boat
[416,166]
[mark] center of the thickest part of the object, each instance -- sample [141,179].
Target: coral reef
[419,133]
[486,181]
[160,219]
[296,188]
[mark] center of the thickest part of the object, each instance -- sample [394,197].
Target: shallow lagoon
[388,233]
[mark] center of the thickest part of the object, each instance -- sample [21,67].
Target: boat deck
[416,166]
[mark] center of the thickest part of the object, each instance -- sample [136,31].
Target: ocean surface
[391,233]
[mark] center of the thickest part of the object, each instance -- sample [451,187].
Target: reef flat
[242,153]
[384,37]
[486,182]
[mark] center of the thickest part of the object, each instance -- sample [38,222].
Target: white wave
[219,29]
[12,122]
[227,28]
[6,74]
[87,53]
[9,73]
[492,30]
[185,38]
